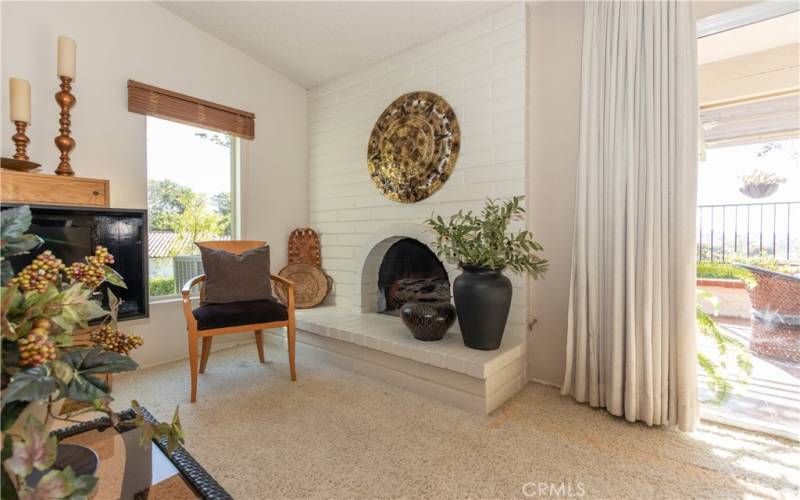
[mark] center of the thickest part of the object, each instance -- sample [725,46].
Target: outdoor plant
[43,306]
[760,184]
[768,262]
[486,239]
[724,270]
[758,177]
[728,350]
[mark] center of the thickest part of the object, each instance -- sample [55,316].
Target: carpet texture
[336,434]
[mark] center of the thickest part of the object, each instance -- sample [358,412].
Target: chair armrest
[187,301]
[187,287]
[281,279]
[289,290]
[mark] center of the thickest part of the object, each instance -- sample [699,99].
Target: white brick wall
[480,70]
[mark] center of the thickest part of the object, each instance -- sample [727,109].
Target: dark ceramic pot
[428,320]
[483,298]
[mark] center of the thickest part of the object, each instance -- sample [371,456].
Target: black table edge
[194,473]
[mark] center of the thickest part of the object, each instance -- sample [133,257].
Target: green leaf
[88,360]
[14,222]
[30,384]
[7,487]
[93,310]
[35,448]
[114,277]
[63,371]
[6,272]
[23,245]
[84,486]
[58,484]
[11,411]
[86,388]
[62,339]
[55,484]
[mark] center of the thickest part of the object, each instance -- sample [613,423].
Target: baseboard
[546,382]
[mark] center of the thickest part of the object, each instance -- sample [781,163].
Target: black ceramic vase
[428,320]
[483,298]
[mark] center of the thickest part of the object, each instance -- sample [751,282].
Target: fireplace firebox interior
[407,259]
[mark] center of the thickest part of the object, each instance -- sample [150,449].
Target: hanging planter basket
[759,190]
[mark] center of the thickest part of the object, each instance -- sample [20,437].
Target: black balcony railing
[748,230]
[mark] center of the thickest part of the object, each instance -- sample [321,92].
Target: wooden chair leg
[260,345]
[205,352]
[291,335]
[193,363]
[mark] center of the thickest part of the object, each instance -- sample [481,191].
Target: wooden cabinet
[48,189]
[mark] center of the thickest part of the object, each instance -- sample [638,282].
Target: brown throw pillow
[236,278]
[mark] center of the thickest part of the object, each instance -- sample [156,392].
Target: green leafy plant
[730,267]
[724,270]
[162,286]
[766,261]
[728,349]
[43,306]
[486,239]
[13,240]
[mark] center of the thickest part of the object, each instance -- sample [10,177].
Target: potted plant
[43,306]
[760,184]
[483,246]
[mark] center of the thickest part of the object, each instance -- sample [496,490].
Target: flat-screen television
[74,233]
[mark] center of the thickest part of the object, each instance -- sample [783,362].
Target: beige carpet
[336,434]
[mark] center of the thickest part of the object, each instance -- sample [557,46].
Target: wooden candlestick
[63,141]
[21,141]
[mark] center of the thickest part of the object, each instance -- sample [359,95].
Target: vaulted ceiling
[315,42]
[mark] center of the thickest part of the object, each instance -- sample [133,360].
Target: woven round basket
[311,285]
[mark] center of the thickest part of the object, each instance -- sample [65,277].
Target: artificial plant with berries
[43,306]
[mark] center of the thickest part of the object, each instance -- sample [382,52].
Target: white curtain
[631,330]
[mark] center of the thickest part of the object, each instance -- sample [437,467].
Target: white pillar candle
[66,57]
[20,92]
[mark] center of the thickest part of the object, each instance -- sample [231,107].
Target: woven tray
[311,285]
[304,246]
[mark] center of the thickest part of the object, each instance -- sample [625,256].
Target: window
[191,196]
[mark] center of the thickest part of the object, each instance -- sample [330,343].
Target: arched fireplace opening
[408,264]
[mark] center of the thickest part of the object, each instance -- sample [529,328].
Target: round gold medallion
[413,147]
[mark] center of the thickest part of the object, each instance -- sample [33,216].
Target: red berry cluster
[39,274]
[36,348]
[111,339]
[91,273]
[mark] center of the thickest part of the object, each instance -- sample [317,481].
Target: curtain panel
[631,329]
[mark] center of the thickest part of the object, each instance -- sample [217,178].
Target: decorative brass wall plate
[413,147]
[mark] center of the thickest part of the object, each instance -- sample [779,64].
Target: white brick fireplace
[480,70]
[370,256]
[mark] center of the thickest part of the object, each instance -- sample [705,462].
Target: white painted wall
[555,40]
[142,41]
[480,70]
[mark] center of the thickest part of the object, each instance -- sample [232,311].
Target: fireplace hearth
[409,270]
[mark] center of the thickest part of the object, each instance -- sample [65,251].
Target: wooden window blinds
[161,103]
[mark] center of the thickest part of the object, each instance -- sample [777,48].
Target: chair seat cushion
[252,312]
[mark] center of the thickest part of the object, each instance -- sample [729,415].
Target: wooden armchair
[210,320]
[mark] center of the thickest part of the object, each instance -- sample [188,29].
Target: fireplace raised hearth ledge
[381,347]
